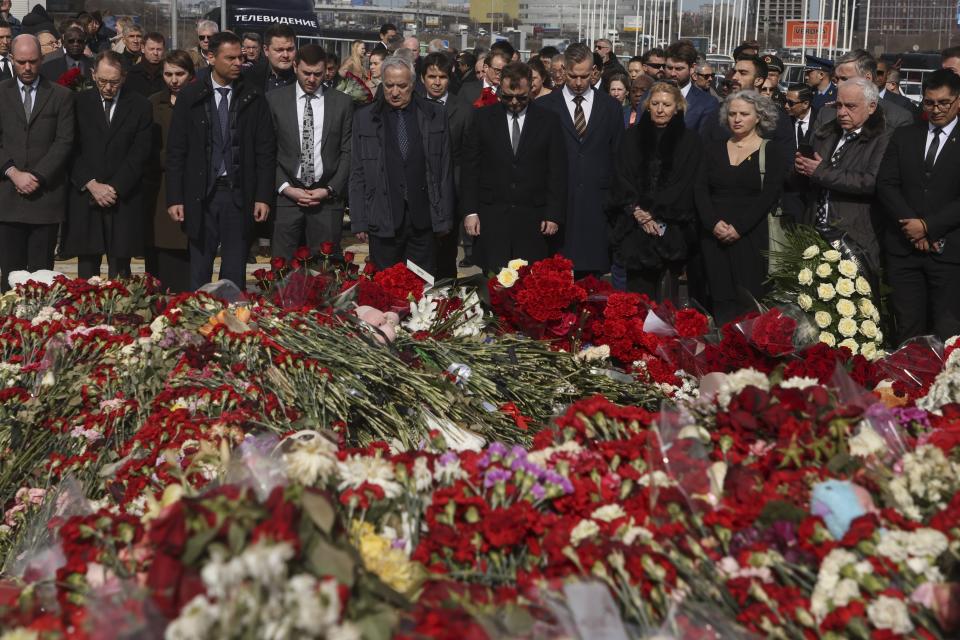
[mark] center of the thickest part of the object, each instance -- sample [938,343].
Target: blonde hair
[671,89]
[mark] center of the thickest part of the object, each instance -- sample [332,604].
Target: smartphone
[661,228]
[806,150]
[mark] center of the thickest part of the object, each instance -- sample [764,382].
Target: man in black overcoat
[105,206]
[221,164]
[514,175]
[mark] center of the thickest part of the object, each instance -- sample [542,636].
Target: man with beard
[74,43]
[146,77]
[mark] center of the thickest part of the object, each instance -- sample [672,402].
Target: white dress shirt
[944,136]
[587,103]
[113,107]
[685,90]
[216,94]
[843,138]
[883,92]
[317,101]
[9,64]
[803,122]
[522,116]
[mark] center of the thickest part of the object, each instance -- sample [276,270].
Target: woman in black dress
[733,202]
[658,162]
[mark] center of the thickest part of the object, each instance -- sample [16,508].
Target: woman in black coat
[659,158]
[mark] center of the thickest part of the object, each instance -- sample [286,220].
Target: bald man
[36,137]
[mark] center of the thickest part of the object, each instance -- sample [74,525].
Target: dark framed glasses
[505,97]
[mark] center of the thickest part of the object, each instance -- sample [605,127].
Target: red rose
[327,248]
[303,253]
[278,263]
[348,256]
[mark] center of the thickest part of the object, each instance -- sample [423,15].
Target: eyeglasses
[655,66]
[939,105]
[766,89]
[108,83]
[510,98]
[203,37]
[707,76]
[602,47]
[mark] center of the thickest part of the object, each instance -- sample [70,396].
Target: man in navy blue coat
[592,125]
[702,108]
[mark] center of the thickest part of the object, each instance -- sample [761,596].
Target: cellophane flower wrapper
[876,414]
[914,366]
[254,465]
[699,621]
[779,331]
[122,609]
[685,458]
[576,609]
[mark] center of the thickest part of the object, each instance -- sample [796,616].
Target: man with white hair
[860,64]
[205,31]
[401,178]
[848,151]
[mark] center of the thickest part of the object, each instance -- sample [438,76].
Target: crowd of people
[112,145]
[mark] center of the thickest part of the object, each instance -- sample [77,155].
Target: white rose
[863,287]
[823,319]
[845,287]
[805,276]
[507,277]
[847,327]
[826,292]
[866,307]
[866,443]
[831,255]
[851,344]
[846,308]
[811,252]
[827,338]
[847,268]
[869,350]
[824,270]
[516,263]
[869,329]
[890,613]
[804,301]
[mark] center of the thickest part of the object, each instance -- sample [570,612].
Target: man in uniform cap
[817,76]
[774,68]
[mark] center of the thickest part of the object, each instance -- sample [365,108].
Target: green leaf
[320,510]
[379,625]
[197,544]
[327,560]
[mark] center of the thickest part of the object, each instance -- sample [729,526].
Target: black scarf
[656,148]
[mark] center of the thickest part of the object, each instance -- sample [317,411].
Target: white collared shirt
[113,107]
[843,138]
[883,92]
[804,122]
[216,94]
[317,102]
[587,103]
[35,84]
[443,99]
[685,90]
[522,116]
[9,64]
[945,133]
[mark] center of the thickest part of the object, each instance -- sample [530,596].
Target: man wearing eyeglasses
[493,66]
[510,214]
[105,205]
[36,139]
[917,188]
[654,62]
[200,55]
[796,191]
[74,43]
[611,64]
[703,76]
[313,157]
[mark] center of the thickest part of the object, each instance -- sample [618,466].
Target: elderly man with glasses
[201,54]
[74,42]
[611,64]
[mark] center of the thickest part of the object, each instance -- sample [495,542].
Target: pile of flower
[188,468]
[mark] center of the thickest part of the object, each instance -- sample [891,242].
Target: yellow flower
[379,557]
[507,277]
[516,263]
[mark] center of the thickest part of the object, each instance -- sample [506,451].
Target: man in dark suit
[36,138]
[279,46]
[796,190]
[511,215]
[701,109]
[221,164]
[146,77]
[592,128]
[401,178]
[860,64]
[917,186]
[74,44]
[493,66]
[436,78]
[883,73]
[6,64]
[313,157]
[105,203]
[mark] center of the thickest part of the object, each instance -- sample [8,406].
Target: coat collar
[245,92]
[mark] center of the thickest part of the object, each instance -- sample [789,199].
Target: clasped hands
[471,223]
[103,194]
[915,230]
[306,197]
[646,221]
[725,232]
[24,181]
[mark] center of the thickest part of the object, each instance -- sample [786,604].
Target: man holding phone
[796,190]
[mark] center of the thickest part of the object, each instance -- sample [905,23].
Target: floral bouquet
[74,80]
[832,290]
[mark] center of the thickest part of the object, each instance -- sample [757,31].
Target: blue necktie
[223,114]
[402,134]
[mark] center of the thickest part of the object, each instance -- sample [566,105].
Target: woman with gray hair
[739,181]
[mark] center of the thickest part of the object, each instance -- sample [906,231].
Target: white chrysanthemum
[311,461]
[846,308]
[516,263]
[608,513]
[195,622]
[845,287]
[799,382]
[847,268]
[357,469]
[847,327]
[422,478]
[890,613]
[823,319]
[804,301]
[737,381]
[826,292]
[507,277]
[851,344]
[845,591]
[867,442]
[811,252]
[827,338]
[805,277]
[831,255]
[584,529]
[824,270]
[869,328]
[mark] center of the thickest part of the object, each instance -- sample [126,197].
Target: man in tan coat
[36,138]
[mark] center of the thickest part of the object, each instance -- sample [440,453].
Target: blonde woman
[354,64]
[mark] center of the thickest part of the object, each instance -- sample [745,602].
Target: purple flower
[497,449]
[493,476]
[518,452]
[538,491]
[448,458]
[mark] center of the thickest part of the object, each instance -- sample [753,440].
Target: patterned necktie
[931,158]
[579,119]
[515,133]
[27,100]
[823,202]
[223,114]
[107,105]
[306,143]
[402,141]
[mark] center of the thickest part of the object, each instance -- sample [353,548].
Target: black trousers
[295,225]
[417,245]
[924,295]
[648,281]
[223,227]
[171,267]
[25,246]
[89,266]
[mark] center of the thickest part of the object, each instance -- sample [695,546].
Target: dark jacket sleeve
[359,217]
[57,155]
[470,165]
[701,191]
[448,190]
[178,141]
[888,181]
[129,176]
[339,179]
[760,206]
[861,181]
[557,176]
[265,151]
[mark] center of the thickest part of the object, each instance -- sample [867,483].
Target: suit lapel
[327,122]
[13,91]
[565,116]
[120,112]
[44,91]
[948,151]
